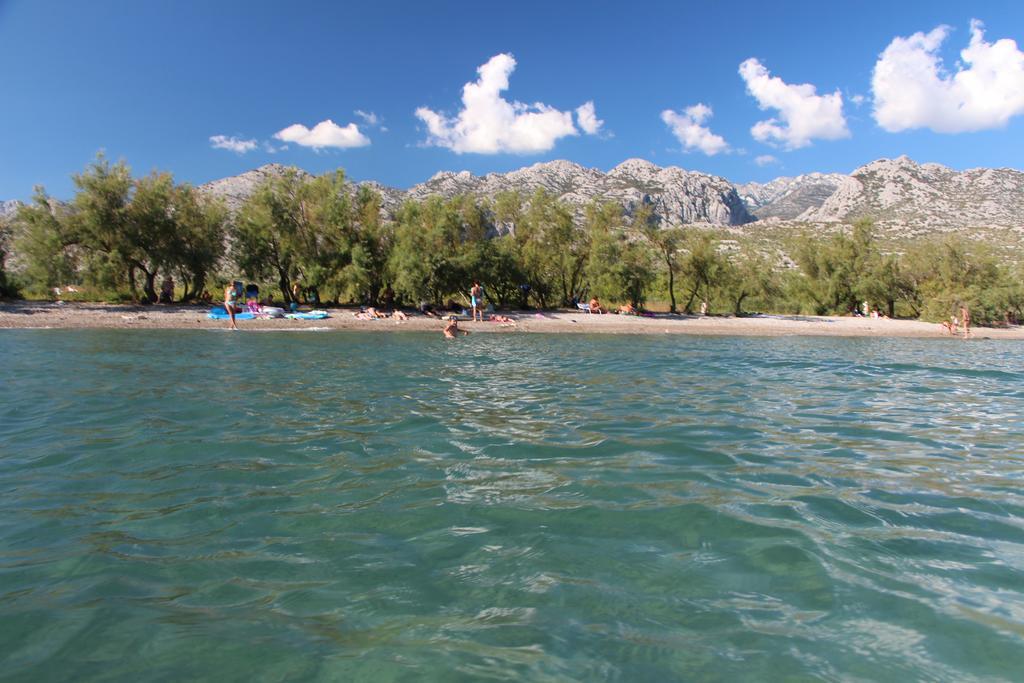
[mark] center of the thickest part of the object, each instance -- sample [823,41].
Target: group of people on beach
[953,324]
[451,329]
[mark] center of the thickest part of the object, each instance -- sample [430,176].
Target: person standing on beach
[230,300]
[476,300]
[965,318]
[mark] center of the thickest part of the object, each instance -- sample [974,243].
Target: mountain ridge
[900,194]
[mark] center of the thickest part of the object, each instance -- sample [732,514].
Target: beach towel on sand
[312,315]
[219,313]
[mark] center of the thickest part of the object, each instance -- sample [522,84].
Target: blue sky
[154,82]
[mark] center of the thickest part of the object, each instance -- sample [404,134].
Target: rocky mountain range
[677,196]
[927,197]
[905,198]
[899,194]
[787,198]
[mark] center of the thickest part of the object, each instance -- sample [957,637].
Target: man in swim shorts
[476,300]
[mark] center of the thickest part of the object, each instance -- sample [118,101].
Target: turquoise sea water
[381,507]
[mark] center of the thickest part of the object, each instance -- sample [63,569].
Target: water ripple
[388,507]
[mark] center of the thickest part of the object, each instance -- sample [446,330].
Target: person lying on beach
[230,304]
[399,315]
[595,306]
[627,310]
[451,330]
[428,310]
[501,319]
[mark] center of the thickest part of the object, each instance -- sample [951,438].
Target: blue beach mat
[218,313]
[312,315]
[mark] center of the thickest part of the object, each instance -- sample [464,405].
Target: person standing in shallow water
[476,300]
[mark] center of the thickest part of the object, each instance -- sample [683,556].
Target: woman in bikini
[230,301]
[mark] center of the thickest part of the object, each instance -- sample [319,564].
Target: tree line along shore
[321,238]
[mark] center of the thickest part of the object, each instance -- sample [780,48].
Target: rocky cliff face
[904,197]
[8,208]
[233,191]
[787,198]
[677,196]
[926,197]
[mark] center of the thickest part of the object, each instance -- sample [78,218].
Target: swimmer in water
[451,330]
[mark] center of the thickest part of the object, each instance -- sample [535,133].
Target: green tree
[951,273]
[424,262]
[7,286]
[296,228]
[147,238]
[665,242]
[703,269]
[619,265]
[749,275]
[840,270]
[98,223]
[552,250]
[200,227]
[42,235]
[371,243]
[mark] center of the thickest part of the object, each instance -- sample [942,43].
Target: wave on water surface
[531,507]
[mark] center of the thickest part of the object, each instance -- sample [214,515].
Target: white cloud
[912,89]
[489,124]
[688,129]
[803,114]
[858,99]
[368,117]
[324,134]
[232,143]
[586,117]
[765,160]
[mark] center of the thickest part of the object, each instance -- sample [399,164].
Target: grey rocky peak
[786,198]
[677,196]
[904,197]
[926,197]
[9,207]
[235,190]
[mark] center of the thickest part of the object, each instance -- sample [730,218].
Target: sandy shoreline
[37,314]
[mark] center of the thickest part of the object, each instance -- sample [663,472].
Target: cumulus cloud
[912,88]
[687,126]
[586,116]
[324,134]
[489,124]
[804,115]
[232,143]
[765,160]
